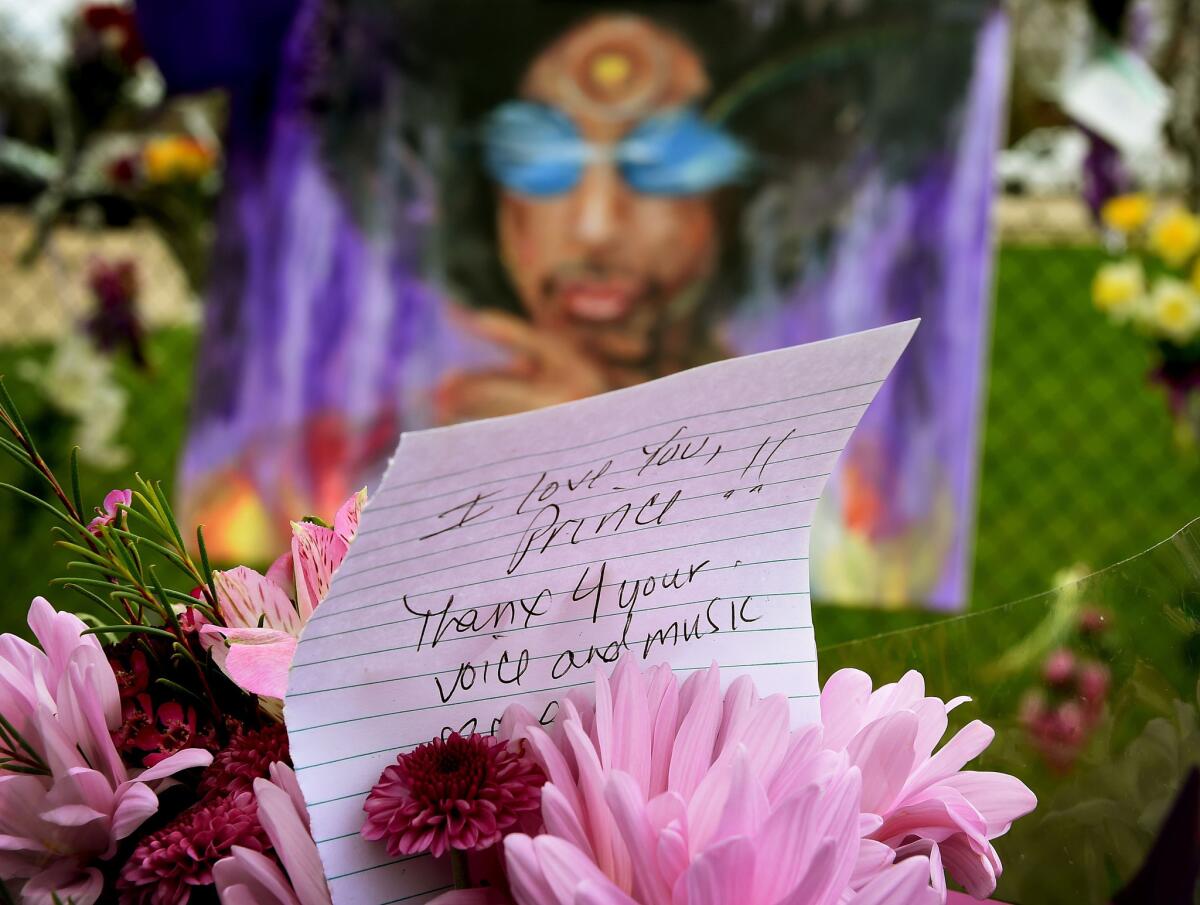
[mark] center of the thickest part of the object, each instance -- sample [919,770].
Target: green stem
[458,867]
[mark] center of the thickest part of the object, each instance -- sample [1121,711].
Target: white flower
[1118,287]
[78,382]
[1175,310]
[70,377]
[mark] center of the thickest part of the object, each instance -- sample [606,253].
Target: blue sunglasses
[536,150]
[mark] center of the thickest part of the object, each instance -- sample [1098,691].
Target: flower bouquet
[1153,288]
[143,756]
[117,152]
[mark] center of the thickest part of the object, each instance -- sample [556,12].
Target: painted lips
[598,301]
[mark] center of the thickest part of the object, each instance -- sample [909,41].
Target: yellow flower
[1117,287]
[1175,310]
[177,157]
[1175,236]
[1196,276]
[1126,213]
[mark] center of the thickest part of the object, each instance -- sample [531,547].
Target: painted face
[606,175]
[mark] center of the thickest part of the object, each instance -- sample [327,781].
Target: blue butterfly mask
[536,150]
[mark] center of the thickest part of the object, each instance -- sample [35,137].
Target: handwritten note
[504,560]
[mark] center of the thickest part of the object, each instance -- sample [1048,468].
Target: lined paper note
[504,560]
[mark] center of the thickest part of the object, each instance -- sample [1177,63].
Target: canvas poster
[465,210]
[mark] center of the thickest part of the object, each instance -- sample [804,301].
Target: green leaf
[79,550]
[166,511]
[13,767]
[95,598]
[75,494]
[170,554]
[173,594]
[20,455]
[154,524]
[11,410]
[94,621]
[38,501]
[128,629]
[151,511]
[168,610]
[105,569]
[121,553]
[12,733]
[93,582]
[22,458]
[209,578]
[179,689]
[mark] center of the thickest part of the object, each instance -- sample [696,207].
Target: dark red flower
[123,171]
[115,322]
[460,793]
[191,620]
[152,732]
[137,731]
[167,865]
[245,759]
[115,26]
[131,670]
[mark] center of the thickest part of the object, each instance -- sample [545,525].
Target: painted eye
[680,153]
[533,149]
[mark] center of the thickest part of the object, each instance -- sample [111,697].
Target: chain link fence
[50,296]
[1080,462]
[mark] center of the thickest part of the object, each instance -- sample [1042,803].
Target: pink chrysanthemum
[663,792]
[247,757]
[168,864]
[458,793]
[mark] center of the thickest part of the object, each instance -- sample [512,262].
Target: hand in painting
[546,369]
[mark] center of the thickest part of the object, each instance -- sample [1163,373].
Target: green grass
[153,431]
[1078,460]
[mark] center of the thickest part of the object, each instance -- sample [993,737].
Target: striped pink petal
[246,599]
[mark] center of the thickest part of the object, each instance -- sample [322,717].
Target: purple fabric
[316,335]
[1104,176]
[918,249]
[203,44]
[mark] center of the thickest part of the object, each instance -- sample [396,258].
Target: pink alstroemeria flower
[248,877]
[64,700]
[108,515]
[262,626]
